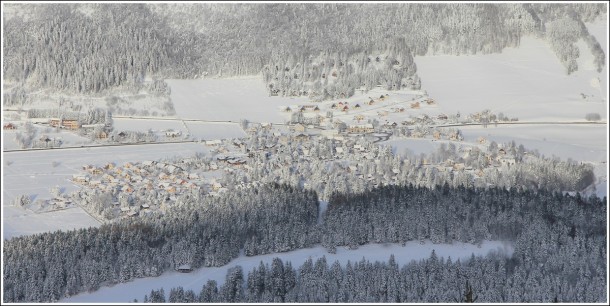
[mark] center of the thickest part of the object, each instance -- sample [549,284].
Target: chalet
[214,142]
[333,106]
[357,106]
[430,101]
[9,126]
[80,178]
[101,135]
[144,206]
[436,135]
[288,109]
[186,268]
[132,214]
[301,137]
[171,189]
[442,117]
[109,166]
[482,140]
[415,105]
[345,108]
[172,133]
[71,124]
[122,134]
[361,128]
[501,152]
[458,166]
[298,128]
[316,109]
[382,113]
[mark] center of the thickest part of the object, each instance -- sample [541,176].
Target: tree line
[93,48]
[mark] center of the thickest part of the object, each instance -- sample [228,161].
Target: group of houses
[140,177]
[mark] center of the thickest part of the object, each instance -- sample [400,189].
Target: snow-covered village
[368,153]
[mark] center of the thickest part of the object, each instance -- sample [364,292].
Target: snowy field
[527,82]
[143,125]
[35,172]
[578,142]
[214,130]
[228,100]
[127,292]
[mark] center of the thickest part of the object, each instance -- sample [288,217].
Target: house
[80,178]
[288,109]
[345,108]
[415,105]
[430,101]
[359,117]
[172,133]
[101,135]
[458,166]
[482,140]
[71,124]
[436,135]
[299,128]
[361,128]
[216,186]
[109,166]
[301,137]
[144,206]
[124,209]
[442,117]
[214,142]
[185,268]
[9,126]
[132,214]
[357,106]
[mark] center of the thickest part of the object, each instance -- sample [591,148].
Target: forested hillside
[321,50]
[554,236]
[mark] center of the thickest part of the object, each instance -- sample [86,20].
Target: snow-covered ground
[143,125]
[578,142]
[35,172]
[136,289]
[527,82]
[228,100]
[214,130]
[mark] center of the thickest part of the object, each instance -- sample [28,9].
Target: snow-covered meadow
[228,100]
[527,82]
[136,289]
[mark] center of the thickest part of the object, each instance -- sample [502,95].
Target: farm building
[9,126]
[186,268]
